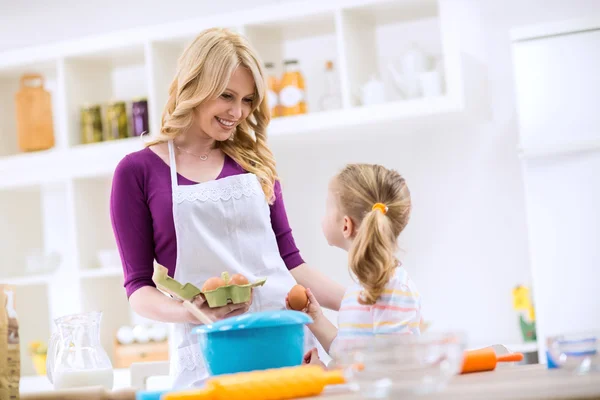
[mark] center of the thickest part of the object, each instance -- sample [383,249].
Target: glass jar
[139,117]
[292,95]
[92,130]
[76,357]
[576,352]
[117,126]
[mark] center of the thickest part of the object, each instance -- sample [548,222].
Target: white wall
[466,245]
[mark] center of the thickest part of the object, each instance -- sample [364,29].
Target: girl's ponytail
[371,257]
[377,200]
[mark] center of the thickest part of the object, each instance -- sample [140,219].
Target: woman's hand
[313,309]
[219,313]
[312,358]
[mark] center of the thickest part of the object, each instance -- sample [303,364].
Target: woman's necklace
[202,157]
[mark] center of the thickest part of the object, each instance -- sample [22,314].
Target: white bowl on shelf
[109,259]
[39,262]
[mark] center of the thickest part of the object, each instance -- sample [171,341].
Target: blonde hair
[372,256]
[203,72]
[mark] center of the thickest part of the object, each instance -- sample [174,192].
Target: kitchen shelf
[29,169]
[58,199]
[31,280]
[355,34]
[113,272]
[368,33]
[100,77]
[100,159]
[93,225]
[81,161]
[410,112]
[21,236]
[311,41]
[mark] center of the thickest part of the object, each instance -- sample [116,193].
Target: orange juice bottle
[292,93]
[272,90]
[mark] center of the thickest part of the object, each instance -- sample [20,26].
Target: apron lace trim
[236,190]
[189,359]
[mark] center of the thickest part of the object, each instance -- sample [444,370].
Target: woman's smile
[225,123]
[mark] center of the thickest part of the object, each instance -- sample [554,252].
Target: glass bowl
[575,352]
[387,366]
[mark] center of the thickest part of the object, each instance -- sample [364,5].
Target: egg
[125,335]
[158,332]
[297,298]
[238,279]
[213,283]
[141,334]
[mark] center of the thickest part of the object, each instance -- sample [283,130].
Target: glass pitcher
[75,356]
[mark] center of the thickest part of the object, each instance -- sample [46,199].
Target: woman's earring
[232,135]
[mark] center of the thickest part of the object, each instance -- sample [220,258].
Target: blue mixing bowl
[254,341]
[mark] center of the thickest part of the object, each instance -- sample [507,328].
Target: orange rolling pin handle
[486,360]
[276,384]
[512,357]
[200,394]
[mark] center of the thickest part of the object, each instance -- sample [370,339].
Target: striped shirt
[397,311]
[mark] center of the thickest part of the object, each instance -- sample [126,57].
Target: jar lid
[262,319]
[90,107]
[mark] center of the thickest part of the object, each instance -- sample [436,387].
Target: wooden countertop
[514,382]
[527,382]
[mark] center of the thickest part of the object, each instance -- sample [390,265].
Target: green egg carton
[233,294]
[167,284]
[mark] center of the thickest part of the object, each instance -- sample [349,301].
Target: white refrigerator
[557,76]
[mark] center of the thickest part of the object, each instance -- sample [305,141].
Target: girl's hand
[219,313]
[312,358]
[313,309]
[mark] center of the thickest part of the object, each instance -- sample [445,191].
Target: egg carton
[230,294]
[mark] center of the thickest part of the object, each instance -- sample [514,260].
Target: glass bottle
[330,100]
[292,95]
[272,90]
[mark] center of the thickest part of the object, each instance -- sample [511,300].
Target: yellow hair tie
[381,207]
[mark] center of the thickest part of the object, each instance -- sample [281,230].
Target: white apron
[223,225]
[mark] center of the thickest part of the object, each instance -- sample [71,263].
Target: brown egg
[238,279]
[297,298]
[213,283]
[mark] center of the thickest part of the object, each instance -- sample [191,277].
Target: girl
[203,197]
[367,208]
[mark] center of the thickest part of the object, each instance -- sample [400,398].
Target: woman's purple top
[141,211]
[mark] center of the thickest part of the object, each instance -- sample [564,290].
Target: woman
[203,198]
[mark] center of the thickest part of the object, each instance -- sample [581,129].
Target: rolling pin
[89,393]
[486,360]
[275,384]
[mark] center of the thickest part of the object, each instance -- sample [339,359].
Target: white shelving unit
[58,200]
